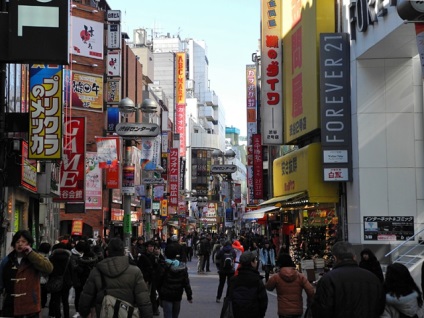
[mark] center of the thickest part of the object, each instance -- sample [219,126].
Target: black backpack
[228,261]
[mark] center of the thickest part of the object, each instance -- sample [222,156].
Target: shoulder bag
[55,283]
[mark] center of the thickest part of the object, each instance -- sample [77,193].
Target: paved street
[204,293]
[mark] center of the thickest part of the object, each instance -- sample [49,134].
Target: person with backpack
[115,276]
[225,258]
[267,258]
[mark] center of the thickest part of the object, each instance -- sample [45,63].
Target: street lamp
[201,203]
[136,130]
[226,170]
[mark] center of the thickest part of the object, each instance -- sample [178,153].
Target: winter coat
[174,281]
[407,305]
[263,256]
[59,258]
[123,281]
[372,264]
[248,294]
[76,268]
[21,283]
[220,258]
[86,263]
[290,285]
[348,291]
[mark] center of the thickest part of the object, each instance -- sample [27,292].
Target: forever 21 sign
[363,13]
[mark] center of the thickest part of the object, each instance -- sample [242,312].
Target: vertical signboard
[45,112]
[257,167]
[336,131]
[29,170]
[72,177]
[271,71]
[173,179]
[93,182]
[303,21]
[251,107]
[180,120]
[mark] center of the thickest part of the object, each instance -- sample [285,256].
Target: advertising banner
[87,38]
[77,226]
[388,228]
[180,120]
[72,176]
[87,91]
[258,178]
[93,182]
[113,63]
[108,153]
[113,91]
[45,112]
[173,178]
[29,170]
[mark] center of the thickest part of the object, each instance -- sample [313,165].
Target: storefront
[308,221]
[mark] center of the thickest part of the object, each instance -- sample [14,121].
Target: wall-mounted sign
[113,62]
[87,38]
[113,15]
[223,169]
[87,91]
[114,36]
[137,130]
[388,228]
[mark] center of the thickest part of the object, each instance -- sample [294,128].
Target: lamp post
[201,203]
[226,170]
[129,132]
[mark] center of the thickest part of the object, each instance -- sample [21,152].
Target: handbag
[113,307]
[227,309]
[55,283]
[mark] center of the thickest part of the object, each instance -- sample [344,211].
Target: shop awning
[259,213]
[283,198]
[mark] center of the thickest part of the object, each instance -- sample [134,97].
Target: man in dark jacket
[123,281]
[225,258]
[348,291]
[246,290]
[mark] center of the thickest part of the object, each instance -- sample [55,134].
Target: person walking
[348,291]
[207,249]
[60,258]
[173,281]
[239,249]
[370,262]
[267,258]
[225,258]
[20,278]
[123,280]
[77,271]
[403,296]
[246,290]
[290,285]
[44,250]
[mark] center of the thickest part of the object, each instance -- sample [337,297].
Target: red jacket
[290,284]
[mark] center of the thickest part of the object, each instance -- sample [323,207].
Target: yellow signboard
[302,24]
[301,170]
[164,208]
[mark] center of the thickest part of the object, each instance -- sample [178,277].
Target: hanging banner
[45,112]
[93,182]
[108,151]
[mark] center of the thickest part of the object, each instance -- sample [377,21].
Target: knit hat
[171,251]
[285,260]
[246,258]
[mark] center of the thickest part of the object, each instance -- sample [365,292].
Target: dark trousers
[43,295]
[54,305]
[78,291]
[206,258]
[222,278]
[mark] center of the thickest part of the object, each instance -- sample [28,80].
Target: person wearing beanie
[246,290]
[290,285]
[172,282]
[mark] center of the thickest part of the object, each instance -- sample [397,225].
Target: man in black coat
[348,291]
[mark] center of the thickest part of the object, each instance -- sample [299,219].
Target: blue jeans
[171,309]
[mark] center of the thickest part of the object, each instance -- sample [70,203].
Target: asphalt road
[204,288]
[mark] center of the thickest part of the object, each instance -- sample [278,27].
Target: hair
[370,253]
[115,247]
[44,248]
[22,233]
[399,282]
[343,251]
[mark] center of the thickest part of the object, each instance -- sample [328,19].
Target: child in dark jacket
[173,282]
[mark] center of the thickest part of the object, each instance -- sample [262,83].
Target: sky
[230,28]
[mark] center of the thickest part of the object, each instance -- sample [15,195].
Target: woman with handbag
[60,281]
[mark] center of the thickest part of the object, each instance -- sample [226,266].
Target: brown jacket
[290,284]
[21,283]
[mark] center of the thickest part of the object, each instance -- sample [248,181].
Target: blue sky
[231,29]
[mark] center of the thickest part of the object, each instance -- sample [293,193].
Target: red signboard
[72,170]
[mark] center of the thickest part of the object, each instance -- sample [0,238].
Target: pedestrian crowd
[152,276]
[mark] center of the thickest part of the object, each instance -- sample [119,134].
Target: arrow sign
[223,169]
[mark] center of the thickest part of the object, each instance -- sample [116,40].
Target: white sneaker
[77,315]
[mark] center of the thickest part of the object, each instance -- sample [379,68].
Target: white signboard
[114,15]
[114,63]
[336,174]
[87,38]
[114,36]
[335,156]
